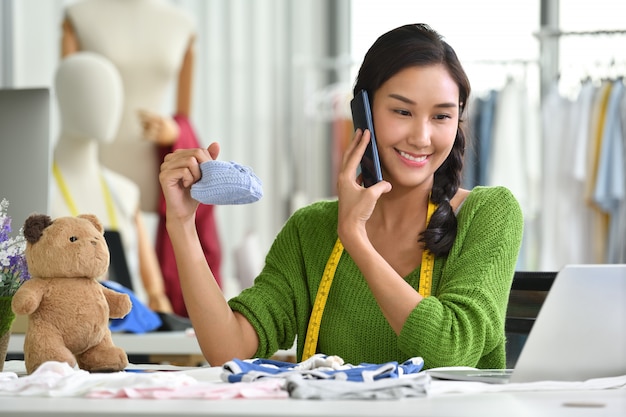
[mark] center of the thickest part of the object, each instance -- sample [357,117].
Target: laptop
[579,333]
[25,153]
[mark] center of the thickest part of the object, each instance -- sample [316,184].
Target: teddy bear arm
[119,304]
[28,297]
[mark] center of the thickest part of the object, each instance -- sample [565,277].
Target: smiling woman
[411,266]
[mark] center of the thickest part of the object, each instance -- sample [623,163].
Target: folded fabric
[139,320]
[265,389]
[224,183]
[58,379]
[318,366]
[381,389]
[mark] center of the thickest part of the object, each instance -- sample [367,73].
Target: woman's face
[416,117]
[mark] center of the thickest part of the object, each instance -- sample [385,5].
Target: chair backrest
[118,267]
[528,292]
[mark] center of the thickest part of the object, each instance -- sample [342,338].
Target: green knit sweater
[460,324]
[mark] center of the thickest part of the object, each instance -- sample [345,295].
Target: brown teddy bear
[68,309]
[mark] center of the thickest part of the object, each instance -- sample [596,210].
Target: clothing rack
[549,37]
[590,67]
[501,61]
[489,74]
[558,33]
[524,64]
[571,72]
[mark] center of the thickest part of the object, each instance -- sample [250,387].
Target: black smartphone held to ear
[362,119]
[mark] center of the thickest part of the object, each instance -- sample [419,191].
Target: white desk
[597,403]
[170,343]
[155,343]
[512,403]
[607,403]
[179,348]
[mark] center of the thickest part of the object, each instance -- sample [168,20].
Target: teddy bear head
[67,247]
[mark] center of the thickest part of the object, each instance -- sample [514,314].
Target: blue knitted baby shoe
[226,183]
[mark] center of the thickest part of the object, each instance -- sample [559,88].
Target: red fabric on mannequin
[205,224]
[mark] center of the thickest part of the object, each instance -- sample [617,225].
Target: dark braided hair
[419,45]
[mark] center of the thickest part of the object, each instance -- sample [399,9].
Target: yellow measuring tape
[315,321]
[67,196]
[428,260]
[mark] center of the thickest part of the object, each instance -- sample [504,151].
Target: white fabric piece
[437,387]
[58,379]
[270,388]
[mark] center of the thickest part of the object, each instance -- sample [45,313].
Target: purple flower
[13,268]
[5,228]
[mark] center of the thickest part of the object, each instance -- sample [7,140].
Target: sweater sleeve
[463,321]
[269,305]
[278,305]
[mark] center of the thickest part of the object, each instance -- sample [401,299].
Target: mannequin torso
[151,42]
[77,161]
[147,40]
[82,185]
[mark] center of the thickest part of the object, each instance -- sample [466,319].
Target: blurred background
[273,79]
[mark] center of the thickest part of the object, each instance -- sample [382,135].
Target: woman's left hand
[356,203]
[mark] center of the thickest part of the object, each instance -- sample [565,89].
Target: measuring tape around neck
[315,321]
[428,260]
[71,204]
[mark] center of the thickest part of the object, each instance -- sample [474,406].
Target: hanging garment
[610,186]
[600,220]
[578,244]
[555,195]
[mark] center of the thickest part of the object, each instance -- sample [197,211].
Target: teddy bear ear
[34,226]
[94,220]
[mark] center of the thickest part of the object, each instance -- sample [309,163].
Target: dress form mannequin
[151,44]
[90,95]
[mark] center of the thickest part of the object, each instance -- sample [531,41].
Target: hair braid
[441,230]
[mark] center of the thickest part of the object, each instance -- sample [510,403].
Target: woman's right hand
[179,171]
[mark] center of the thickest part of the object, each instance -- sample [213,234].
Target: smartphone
[362,119]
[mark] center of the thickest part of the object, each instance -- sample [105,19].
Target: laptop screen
[580,332]
[26,152]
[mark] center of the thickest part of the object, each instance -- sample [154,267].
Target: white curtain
[258,63]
